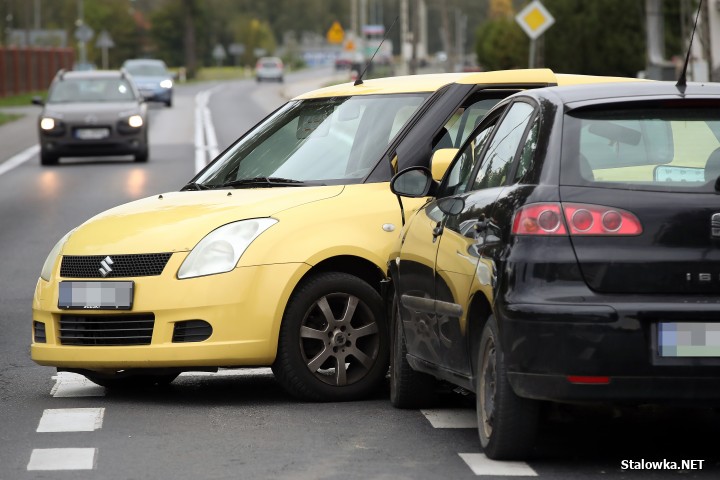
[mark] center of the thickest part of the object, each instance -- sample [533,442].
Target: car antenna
[358,80]
[682,81]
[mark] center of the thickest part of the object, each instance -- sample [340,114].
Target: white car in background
[269,68]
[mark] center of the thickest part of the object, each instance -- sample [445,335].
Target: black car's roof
[579,95]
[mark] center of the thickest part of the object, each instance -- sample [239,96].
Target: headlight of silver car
[47,268]
[221,249]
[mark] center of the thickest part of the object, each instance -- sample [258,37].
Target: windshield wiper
[266,182]
[194,186]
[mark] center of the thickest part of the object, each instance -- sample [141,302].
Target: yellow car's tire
[333,343]
[408,388]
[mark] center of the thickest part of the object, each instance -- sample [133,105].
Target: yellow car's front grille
[106,330]
[98,266]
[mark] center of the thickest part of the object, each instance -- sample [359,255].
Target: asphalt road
[239,424]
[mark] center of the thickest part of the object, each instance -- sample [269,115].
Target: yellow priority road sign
[534,19]
[335,34]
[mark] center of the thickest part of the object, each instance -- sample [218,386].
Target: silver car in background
[269,68]
[152,78]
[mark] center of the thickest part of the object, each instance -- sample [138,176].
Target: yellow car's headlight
[221,249]
[47,268]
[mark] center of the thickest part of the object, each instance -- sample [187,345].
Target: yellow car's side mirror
[440,162]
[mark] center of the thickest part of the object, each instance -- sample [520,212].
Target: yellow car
[274,254]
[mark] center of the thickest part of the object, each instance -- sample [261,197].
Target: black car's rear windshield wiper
[266,182]
[194,186]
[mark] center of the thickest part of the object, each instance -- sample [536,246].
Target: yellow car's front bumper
[244,308]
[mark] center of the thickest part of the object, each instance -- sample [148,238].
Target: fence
[30,69]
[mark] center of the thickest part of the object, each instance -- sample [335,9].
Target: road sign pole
[531,59]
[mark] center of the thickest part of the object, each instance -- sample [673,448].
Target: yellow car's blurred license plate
[96,295]
[688,339]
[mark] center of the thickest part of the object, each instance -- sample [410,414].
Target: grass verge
[22,100]
[8,117]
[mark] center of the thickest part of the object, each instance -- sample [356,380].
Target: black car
[571,253]
[92,113]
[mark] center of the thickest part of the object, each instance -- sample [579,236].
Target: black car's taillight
[553,218]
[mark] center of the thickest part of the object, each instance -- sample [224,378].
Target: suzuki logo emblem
[106,269]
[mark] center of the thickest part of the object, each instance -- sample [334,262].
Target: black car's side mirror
[413,182]
[37,101]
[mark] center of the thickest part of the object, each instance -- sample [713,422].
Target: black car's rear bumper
[605,352]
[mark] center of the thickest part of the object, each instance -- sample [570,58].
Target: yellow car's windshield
[338,140]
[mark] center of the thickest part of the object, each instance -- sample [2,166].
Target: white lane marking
[481,465]
[447,418]
[206,144]
[19,159]
[71,420]
[200,160]
[241,372]
[210,136]
[75,385]
[62,459]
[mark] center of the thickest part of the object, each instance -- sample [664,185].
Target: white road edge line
[206,145]
[71,420]
[18,159]
[69,384]
[62,459]
[451,418]
[481,465]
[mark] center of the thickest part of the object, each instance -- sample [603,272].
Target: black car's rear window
[654,147]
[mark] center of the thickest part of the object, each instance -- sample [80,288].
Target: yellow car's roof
[433,82]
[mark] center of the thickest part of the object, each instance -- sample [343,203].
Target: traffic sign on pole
[84,33]
[534,19]
[335,34]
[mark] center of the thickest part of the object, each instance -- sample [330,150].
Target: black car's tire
[168,103]
[333,343]
[130,382]
[48,158]
[507,424]
[408,388]
[142,155]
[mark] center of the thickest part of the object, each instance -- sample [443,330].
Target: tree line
[589,36]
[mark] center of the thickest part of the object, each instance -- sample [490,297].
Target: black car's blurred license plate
[92,133]
[96,295]
[688,339]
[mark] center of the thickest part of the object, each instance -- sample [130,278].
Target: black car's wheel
[48,158]
[168,103]
[408,388]
[142,156]
[333,343]
[507,424]
[130,382]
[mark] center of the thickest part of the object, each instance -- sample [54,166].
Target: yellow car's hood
[177,221]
